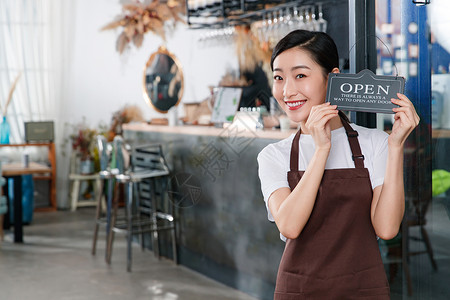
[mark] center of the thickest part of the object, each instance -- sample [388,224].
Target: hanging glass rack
[225,13]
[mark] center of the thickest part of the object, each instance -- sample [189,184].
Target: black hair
[319,45]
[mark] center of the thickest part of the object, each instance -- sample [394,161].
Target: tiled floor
[55,262]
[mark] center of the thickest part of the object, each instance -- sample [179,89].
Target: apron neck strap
[352,137]
[295,151]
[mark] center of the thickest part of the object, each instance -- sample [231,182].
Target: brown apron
[336,256]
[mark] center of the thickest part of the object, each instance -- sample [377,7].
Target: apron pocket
[372,278]
[379,293]
[290,283]
[288,296]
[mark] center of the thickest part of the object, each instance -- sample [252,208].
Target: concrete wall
[221,218]
[104,81]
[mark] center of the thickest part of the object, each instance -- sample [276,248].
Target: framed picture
[39,131]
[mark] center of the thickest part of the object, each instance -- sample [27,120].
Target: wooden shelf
[25,145]
[52,171]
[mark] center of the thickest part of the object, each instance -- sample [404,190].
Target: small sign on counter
[364,92]
[226,104]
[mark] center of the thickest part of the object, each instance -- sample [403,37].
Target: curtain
[35,41]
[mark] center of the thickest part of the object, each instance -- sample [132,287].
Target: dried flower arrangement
[139,18]
[83,141]
[127,114]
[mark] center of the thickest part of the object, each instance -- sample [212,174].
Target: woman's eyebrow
[293,68]
[300,67]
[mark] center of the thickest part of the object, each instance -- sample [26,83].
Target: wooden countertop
[226,132]
[210,131]
[440,133]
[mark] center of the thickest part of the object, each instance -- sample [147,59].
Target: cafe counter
[222,226]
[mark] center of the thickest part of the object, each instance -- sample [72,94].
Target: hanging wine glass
[286,18]
[287,21]
[301,19]
[272,30]
[231,33]
[321,22]
[308,23]
[293,25]
[219,35]
[274,23]
[313,20]
[279,26]
[261,28]
[268,28]
[213,35]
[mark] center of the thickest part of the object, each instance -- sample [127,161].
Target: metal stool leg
[110,238]
[155,240]
[129,211]
[172,213]
[137,205]
[109,200]
[97,216]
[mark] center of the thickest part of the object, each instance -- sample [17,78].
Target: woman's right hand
[318,124]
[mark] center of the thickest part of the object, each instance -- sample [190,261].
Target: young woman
[333,187]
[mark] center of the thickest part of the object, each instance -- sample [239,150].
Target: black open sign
[364,91]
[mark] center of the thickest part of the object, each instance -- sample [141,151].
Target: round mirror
[163,80]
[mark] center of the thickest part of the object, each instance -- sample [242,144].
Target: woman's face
[299,83]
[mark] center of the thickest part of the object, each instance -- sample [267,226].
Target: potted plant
[83,143]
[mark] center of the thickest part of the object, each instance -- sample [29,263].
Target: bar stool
[147,165]
[106,176]
[152,200]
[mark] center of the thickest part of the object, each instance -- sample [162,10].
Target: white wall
[101,81]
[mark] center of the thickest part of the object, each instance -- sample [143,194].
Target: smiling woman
[344,183]
[298,69]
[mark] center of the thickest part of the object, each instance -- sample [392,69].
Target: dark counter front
[222,226]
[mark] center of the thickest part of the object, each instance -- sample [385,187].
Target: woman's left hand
[406,119]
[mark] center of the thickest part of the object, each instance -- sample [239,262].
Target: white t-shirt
[274,159]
